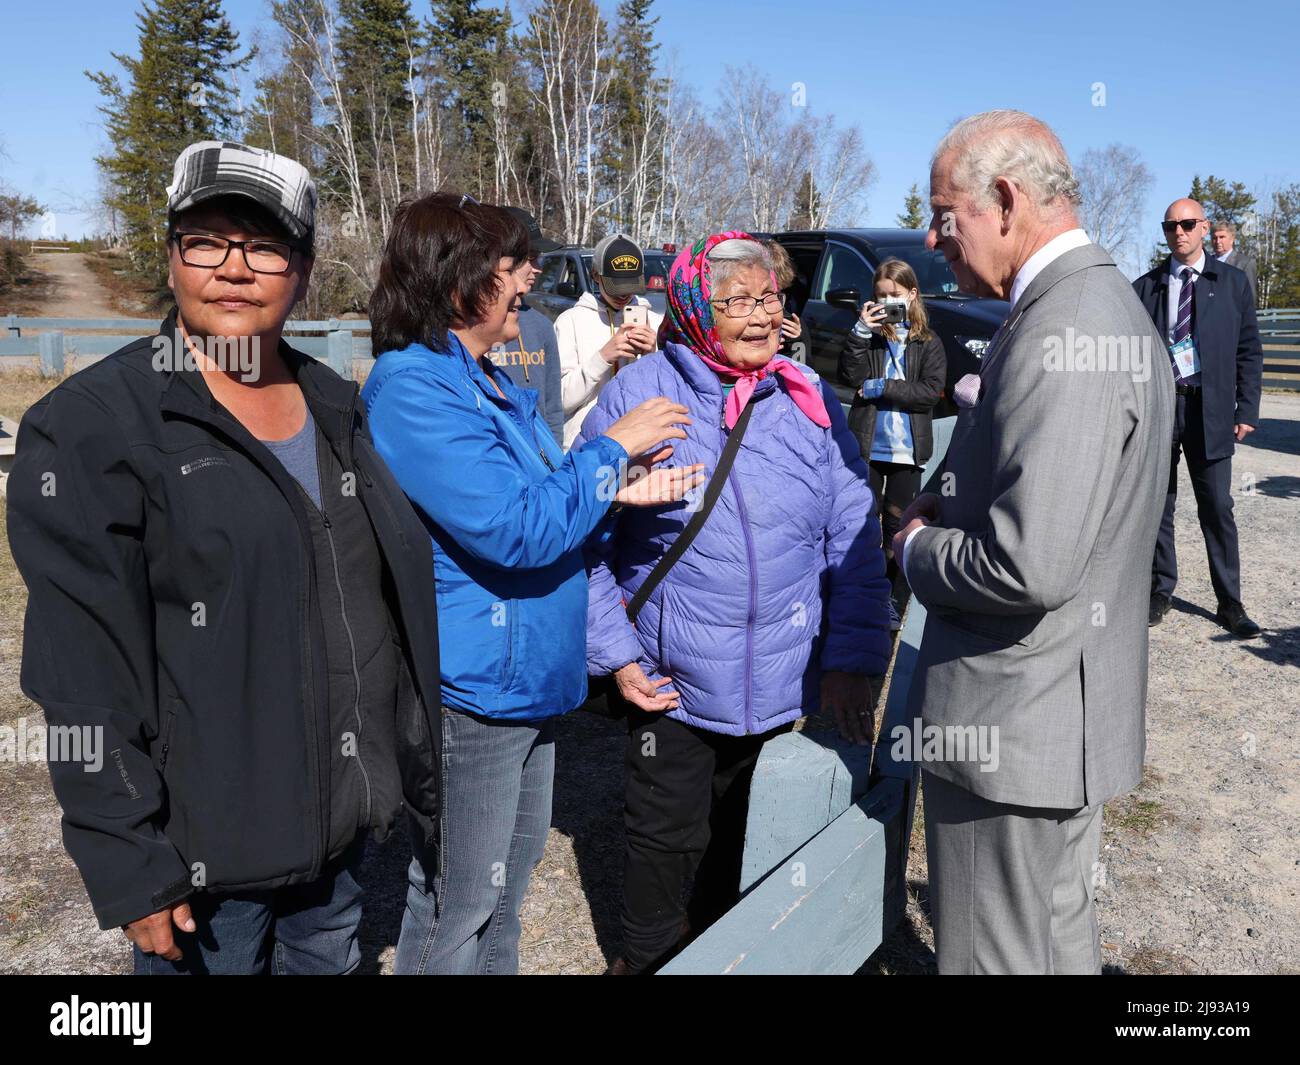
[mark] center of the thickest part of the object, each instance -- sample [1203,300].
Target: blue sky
[903,71]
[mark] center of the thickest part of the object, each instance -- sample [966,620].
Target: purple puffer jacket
[786,579]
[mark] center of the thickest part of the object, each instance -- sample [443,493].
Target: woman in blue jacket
[507,514]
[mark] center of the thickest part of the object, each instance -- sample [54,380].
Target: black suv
[834,270]
[566,275]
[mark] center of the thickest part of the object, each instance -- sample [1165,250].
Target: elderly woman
[779,602]
[507,515]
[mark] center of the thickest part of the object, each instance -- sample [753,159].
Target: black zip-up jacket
[171,603]
[925,368]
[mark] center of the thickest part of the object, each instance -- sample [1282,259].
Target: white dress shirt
[1176,288]
[1033,266]
[1049,252]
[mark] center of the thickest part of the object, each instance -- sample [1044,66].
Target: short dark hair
[441,255]
[247,215]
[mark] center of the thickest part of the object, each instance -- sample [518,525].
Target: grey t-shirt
[298,456]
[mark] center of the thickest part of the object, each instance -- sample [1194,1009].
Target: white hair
[1011,145]
[735,254]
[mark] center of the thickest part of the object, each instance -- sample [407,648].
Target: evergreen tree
[636,103]
[913,217]
[17,210]
[180,89]
[1223,201]
[807,204]
[470,45]
[283,113]
[376,41]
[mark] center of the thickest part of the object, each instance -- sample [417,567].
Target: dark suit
[1247,264]
[1227,341]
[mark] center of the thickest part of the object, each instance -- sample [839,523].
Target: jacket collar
[331,399]
[703,381]
[521,400]
[1071,262]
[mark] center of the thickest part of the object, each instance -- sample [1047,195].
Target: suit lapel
[1161,313]
[1063,266]
[1203,296]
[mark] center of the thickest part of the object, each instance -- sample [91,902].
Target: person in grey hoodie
[533,360]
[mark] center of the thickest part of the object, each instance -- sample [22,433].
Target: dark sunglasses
[1188,224]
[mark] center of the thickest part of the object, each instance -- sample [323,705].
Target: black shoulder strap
[711,492]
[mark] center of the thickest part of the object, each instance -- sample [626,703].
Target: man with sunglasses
[1206,310]
[225,583]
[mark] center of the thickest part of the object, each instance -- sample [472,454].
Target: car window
[656,272]
[934,276]
[842,267]
[572,276]
[552,271]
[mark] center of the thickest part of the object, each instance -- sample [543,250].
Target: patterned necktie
[1183,327]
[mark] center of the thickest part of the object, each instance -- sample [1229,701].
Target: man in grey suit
[1034,561]
[1224,240]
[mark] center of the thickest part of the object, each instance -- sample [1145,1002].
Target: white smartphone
[636,314]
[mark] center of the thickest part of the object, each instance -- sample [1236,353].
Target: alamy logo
[132,1019]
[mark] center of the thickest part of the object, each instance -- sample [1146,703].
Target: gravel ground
[1202,863]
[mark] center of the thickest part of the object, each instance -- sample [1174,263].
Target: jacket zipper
[352,649]
[343,611]
[753,580]
[170,729]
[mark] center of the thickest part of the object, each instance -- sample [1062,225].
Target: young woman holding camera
[897,368]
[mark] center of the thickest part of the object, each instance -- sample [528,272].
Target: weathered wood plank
[824,910]
[802,782]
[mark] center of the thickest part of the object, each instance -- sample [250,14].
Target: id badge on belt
[1186,361]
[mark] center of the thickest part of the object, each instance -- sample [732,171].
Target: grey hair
[735,254]
[1011,145]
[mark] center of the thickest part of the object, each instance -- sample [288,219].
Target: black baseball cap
[537,244]
[620,265]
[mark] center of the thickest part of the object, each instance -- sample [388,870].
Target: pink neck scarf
[689,321]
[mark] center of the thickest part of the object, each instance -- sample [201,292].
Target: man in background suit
[1224,241]
[1206,311]
[1032,564]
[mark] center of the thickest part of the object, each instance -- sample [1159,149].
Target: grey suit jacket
[1037,582]
[1246,264]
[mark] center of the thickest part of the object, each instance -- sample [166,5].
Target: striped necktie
[1183,326]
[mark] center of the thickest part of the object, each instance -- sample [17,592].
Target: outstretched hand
[650,485]
[653,696]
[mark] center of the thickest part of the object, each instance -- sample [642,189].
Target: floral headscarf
[689,321]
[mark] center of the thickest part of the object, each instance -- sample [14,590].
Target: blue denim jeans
[302,929]
[496,811]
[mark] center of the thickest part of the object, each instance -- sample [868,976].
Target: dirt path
[1201,865]
[72,290]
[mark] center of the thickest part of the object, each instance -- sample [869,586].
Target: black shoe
[1233,618]
[1159,608]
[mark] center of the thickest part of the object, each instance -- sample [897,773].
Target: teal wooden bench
[824,875]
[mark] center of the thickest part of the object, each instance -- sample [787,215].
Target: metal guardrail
[47,339]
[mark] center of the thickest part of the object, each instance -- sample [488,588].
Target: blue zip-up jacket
[507,515]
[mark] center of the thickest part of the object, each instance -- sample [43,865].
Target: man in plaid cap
[224,582]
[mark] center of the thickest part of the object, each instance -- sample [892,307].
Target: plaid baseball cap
[619,263]
[207,169]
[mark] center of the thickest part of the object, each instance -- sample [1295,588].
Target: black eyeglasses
[743,306]
[261,256]
[1188,224]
